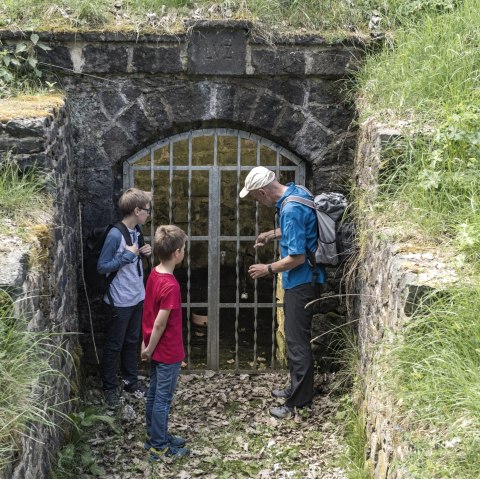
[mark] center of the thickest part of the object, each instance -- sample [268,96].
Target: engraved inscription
[222,50]
[217,53]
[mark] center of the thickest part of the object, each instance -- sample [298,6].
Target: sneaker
[111,398]
[137,389]
[175,441]
[169,451]
[281,393]
[282,412]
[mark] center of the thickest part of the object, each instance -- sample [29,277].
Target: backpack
[335,234]
[99,284]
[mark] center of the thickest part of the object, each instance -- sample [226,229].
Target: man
[298,240]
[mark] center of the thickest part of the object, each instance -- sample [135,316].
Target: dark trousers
[121,342]
[298,333]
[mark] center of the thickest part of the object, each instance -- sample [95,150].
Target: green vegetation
[76,458]
[434,372]
[343,16]
[24,368]
[22,197]
[25,356]
[19,68]
[425,83]
[354,462]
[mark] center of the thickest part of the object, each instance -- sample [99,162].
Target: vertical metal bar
[189,243]
[274,281]
[170,189]
[213,270]
[152,203]
[255,299]
[237,258]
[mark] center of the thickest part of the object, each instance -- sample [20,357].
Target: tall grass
[429,191]
[22,192]
[436,371]
[429,71]
[431,180]
[328,15]
[24,369]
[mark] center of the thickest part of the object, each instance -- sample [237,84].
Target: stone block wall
[47,293]
[128,91]
[390,280]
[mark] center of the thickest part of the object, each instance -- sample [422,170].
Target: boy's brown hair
[168,238]
[133,198]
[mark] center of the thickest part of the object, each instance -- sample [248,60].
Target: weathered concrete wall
[390,279]
[46,293]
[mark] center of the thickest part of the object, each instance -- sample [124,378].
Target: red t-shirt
[163,292]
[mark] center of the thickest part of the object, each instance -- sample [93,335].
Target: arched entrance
[195,178]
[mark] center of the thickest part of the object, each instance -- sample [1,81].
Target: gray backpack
[335,234]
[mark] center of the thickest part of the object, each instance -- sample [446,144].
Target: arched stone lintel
[262,109]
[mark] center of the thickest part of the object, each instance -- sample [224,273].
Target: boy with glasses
[124,297]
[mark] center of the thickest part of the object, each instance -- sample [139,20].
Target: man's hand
[262,239]
[258,271]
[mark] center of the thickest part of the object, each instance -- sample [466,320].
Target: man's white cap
[257,178]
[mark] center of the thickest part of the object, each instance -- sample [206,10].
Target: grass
[25,356]
[435,373]
[426,83]
[343,16]
[429,72]
[430,179]
[24,369]
[23,200]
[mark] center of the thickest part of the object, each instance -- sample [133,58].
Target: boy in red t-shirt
[163,342]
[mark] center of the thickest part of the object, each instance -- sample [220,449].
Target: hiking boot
[111,398]
[169,452]
[282,412]
[281,393]
[136,389]
[175,441]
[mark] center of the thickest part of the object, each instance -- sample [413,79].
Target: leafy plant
[77,458]
[19,67]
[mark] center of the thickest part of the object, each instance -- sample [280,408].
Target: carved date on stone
[217,52]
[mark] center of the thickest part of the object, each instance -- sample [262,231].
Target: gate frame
[213,305]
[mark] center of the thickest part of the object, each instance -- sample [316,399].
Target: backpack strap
[141,242]
[125,233]
[128,240]
[310,204]
[298,199]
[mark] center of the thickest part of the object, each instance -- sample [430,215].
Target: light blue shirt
[127,288]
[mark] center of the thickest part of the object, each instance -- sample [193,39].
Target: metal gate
[195,178]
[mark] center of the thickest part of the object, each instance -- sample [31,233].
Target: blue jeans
[121,341]
[163,380]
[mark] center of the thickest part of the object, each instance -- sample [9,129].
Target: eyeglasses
[148,210]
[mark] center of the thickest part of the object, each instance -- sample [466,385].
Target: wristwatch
[269,266]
